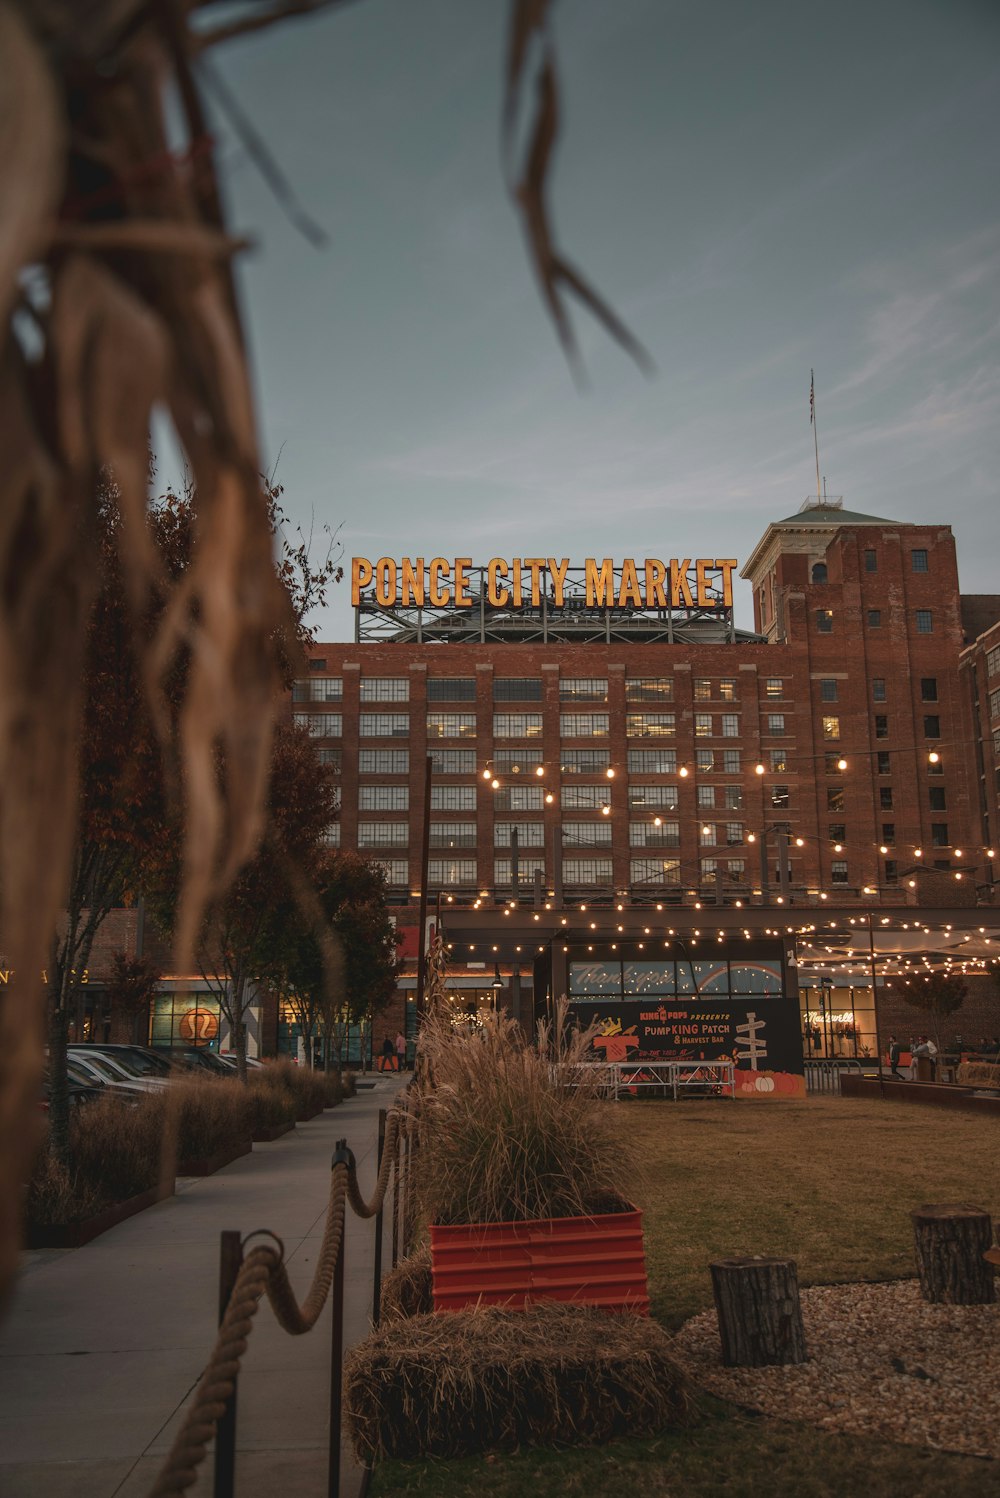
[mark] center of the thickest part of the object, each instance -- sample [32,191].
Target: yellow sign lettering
[599,583]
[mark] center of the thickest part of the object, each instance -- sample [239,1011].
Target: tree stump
[951,1239]
[760,1320]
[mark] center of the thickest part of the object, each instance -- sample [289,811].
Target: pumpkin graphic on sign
[198,1026]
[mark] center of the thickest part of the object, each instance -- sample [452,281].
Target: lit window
[584,725]
[824,621]
[831,728]
[442,725]
[649,689]
[517,725]
[650,725]
[583,689]
[774,687]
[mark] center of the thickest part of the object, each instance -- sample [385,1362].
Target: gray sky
[758,188]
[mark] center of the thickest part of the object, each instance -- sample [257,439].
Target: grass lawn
[828,1181]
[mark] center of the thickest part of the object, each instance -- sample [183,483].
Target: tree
[938,995]
[132,985]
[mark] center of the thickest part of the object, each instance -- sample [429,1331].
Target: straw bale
[492,1379]
[407,1290]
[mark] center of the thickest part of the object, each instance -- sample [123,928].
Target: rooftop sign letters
[522,582]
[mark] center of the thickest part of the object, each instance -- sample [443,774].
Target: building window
[526,867]
[730,725]
[889,834]
[396,870]
[451,689]
[778,760]
[589,871]
[824,621]
[383,834]
[383,798]
[939,834]
[993,661]
[918,559]
[928,689]
[584,725]
[529,834]
[704,760]
[819,572]
[838,871]
[646,834]
[454,761]
[882,766]
[734,834]
[831,728]
[385,689]
[517,689]
[585,761]
[453,835]
[871,559]
[330,836]
[721,691]
[891,871]
[703,725]
[583,689]
[837,833]
[647,797]
[592,797]
[702,689]
[445,873]
[733,797]
[835,798]
[384,762]
[317,664]
[727,689]
[925,622]
[656,872]
[707,835]
[319,689]
[520,798]
[775,722]
[730,761]
[885,797]
[995,703]
[881,726]
[331,757]
[874,618]
[878,688]
[831,764]
[649,689]
[779,796]
[586,834]
[451,725]
[456,797]
[706,796]
[774,687]
[321,725]
[650,725]
[828,690]
[652,761]
[932,726]
[938,800]
[517,725]
[384,725]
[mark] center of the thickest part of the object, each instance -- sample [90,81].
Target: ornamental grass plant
[514,1130]
[115,1152]
[211,1116]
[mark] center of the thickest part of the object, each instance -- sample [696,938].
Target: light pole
[425,853]
[784,872]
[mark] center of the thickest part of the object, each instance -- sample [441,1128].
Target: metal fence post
[377,1280]
[230,1263]
[342,1156]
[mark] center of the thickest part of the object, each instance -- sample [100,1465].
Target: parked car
[97,1071]
[228,1059]
[114,1068]
[138,1058]
[194,1058]
[79,1094]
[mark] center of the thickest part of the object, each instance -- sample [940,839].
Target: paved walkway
[104,1344]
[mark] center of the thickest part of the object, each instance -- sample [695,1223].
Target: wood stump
[760,1320]
[951,1239]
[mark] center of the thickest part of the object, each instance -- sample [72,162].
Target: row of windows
[829,689]
[923,620]
[526,689]
[918,559]
[993,661]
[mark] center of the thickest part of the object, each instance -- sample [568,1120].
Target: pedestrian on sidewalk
[895,1051]
[400,1052]
[387,1054]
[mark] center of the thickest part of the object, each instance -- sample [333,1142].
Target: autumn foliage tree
[939,995]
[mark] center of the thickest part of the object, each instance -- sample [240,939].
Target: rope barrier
[263,1272]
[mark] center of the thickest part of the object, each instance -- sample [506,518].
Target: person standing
[387,1054]
[895,1050]
[400,1051]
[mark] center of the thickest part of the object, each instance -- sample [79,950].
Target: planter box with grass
[76,1234]
[267,1134]
[209,1164]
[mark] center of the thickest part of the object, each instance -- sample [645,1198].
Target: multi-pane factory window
[828,689]
[332,757]
[385,689]
[517,689]
[330,836]
[932,726]
[925,622]
[321,725]
[835,798]
[384,762]
[778,760]
[519,798]
[885,797]
[734,834]
[442,725]
[993,661]
[584,725]
[734,797]
[881,726]
[589,871]
[655,871]
[517,725]
[649,689]
[650,725]
[453,798]
[774,687]
[703,725]
[516,761]
[775,722]
[831,728]
[384,725]
[397,872]
[652,761]
[707,835]
[702,689]
[451,689]
[453,835]
[837,832]
[383,834]
[706,796]
[871,560]
[995,703]
[928,689]
[878,688]
[779,795]
[526,867]
[937,798]
[838,871]
[452,761]
[730,725]
[584,761]
[383,798]
[583,689]
[939,834]
[443,873]
[918,559]
[730,761]
[646,834]
[319,689]
[586,834]
[529,834]
[584,797]
[704,760]
[824,621]
[655,797]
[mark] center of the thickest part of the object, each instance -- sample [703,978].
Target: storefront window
[185,1019]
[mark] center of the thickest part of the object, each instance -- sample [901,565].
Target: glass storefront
[837,1022]
[189,1018]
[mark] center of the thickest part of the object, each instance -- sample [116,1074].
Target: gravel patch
[882,1362]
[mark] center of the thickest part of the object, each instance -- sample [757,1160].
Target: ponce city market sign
[521,582]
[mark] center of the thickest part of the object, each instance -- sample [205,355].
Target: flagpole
[812,418]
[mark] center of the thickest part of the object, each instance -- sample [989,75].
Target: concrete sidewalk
[104,1344]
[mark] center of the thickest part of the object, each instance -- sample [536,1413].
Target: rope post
[230,1263]
[377,1279]
[397,1156]
[342,1156]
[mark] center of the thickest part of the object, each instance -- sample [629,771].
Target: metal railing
[824,1075]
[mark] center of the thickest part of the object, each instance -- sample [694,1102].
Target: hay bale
[407,1289]
[492,1379]
[978,1074]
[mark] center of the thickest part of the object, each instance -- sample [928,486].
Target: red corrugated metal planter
[598,1261]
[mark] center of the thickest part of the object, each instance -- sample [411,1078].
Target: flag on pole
[812,398]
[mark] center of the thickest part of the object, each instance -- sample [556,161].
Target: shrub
[211,1116]
[306,1086]
[115,1151]
[512,1131]
[271,1102]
